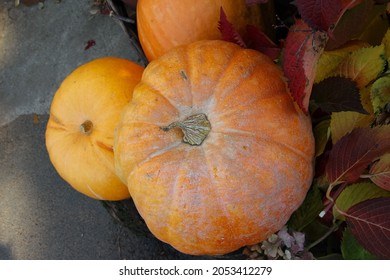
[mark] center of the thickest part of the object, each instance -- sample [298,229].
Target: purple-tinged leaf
[355,151]
[337,94]
[351,24]
[354,194]
[320,14]
[259,41]
[369,223]
[228,32]
[380,172]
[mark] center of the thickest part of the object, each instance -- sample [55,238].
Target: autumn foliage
[335,56]
[338,73]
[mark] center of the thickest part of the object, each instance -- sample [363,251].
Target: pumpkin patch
[213,150]
[80,130]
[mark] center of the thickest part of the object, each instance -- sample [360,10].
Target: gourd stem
[195,128]
[86,127]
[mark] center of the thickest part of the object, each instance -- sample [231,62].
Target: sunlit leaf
[363,65]
[330,60]
[356,193]
[369,223]
[355,151]
[342,123]
[352,250]
[380,172]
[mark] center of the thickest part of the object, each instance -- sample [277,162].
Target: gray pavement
[41,216]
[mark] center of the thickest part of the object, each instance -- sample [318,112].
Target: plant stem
[332,197]
[322,238]
[86,127]
[195,128]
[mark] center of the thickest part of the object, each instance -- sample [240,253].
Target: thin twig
[322,238]
[126,19]
[128,30]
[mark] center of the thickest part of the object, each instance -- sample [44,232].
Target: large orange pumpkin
[215,153]
[80,131]
[163,25]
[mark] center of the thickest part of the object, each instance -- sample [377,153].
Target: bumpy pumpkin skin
[80,132]
[163,25]
[251,171]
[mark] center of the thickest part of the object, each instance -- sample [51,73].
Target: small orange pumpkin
[163,25]
[80,131]
[215,153]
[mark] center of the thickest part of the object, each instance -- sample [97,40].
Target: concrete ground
[41,216]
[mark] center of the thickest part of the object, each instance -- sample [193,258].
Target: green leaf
[342,123]
[352,250]
[386,43]
[364,65]
[314,231]
[308,211]
[321,134]
[380,93]
[380,172]
[356,193]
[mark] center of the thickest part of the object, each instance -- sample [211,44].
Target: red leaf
[369,222]
[90,44]
[355,151]
[303,48]
[320,14]
[228,31]
[259,41]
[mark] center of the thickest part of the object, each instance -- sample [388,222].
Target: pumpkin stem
[86,127]
[195,128]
